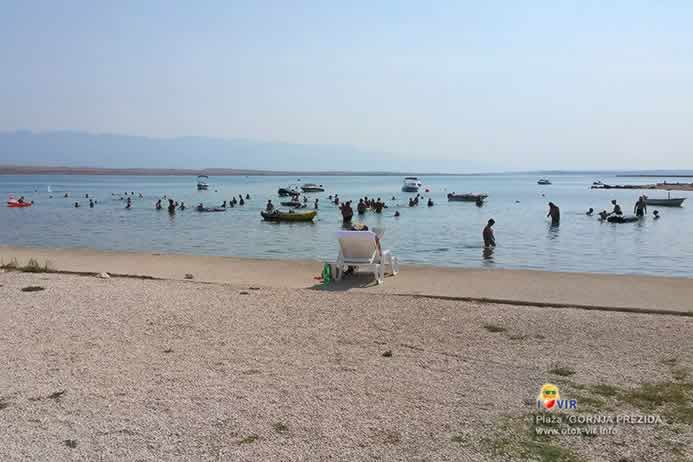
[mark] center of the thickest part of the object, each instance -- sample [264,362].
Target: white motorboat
[411,184]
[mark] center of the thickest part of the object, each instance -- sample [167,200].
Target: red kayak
[16,204]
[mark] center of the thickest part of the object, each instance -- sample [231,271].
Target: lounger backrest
[357,245]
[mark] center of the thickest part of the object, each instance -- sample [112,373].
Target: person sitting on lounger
[269,207]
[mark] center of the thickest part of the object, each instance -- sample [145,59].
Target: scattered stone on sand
[244,292]
[70,443]
[309,359]
[103,276]
[32,289]
[189,276]
[387,354]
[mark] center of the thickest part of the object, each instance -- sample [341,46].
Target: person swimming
[479,201]
[182,206]
[129,204]
[91,203]
[76,205]
[603,215]
[316,203]
[171,206]
[157,205]
[655,214]
[396,213]
[589,212]
[223,205]
[430,202]
[247,197]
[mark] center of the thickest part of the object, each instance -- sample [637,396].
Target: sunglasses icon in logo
[549,399]
[548,396]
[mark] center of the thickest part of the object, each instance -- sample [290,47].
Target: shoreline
[629,293]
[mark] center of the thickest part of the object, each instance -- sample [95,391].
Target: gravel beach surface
[129,369]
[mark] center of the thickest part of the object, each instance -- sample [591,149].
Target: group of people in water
[414,201]
[639,209]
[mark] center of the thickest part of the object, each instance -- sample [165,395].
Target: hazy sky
[498,85]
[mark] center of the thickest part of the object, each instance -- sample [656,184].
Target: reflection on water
[447,234]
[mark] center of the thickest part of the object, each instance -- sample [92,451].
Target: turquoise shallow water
[448,234]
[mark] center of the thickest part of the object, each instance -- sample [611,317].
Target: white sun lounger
[359,249]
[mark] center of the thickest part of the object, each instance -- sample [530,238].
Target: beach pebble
[189,276]
[103,276]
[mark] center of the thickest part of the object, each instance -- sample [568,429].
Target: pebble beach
[135,369]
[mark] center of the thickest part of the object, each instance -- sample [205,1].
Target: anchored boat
[279,215]
[311,187]
[202,182]
[468,197]
[288,191]
[411,184]
[668,202]
[544,181]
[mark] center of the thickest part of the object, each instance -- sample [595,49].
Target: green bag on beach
[326,273]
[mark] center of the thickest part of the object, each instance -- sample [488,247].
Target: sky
[459,85]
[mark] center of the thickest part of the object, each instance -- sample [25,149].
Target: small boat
[13,203]
[668,202]
[311,187]
[622,219]
[202,182]
[411,184]
[544,181]
[287,192]
[468,197]
[210,209]
[294,204]
[278,215]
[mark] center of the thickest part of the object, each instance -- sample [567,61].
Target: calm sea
[448,234]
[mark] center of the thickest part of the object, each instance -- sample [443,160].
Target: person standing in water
[347,212]
[554,213]
[489,238]
[171,207]
[640,208]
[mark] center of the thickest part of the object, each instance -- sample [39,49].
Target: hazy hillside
[122,151]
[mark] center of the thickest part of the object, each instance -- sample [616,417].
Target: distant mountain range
[235,156]
[71,152]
